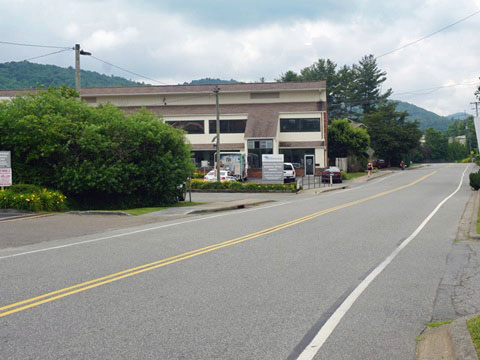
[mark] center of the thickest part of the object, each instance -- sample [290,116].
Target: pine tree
[368,81]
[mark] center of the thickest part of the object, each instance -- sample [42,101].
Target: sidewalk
[459,291]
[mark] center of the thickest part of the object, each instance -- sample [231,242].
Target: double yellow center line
[71,290]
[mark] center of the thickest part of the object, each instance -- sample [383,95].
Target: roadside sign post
[272,169]
[5,169]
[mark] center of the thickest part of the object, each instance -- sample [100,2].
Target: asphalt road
[266,294]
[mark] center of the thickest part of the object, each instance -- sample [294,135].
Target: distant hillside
[425,118]
[458,116]
[26,75]
[209,81]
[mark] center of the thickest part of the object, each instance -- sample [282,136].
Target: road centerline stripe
[90,284]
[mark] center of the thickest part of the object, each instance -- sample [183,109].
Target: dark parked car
[334,172]
[380,164]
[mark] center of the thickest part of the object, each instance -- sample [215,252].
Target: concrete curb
[117,213]
[462,344]
[416,167]
[320,190]
[472,234]
[216,207]
[365,178]
[15,211]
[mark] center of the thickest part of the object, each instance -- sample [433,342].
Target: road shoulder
[458,296]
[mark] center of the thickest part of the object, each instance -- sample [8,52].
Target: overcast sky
[175,41]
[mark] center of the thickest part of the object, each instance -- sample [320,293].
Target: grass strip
[473,325]
[478,221]
[350,176]
[438,324]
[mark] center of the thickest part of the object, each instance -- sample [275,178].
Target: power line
[361,101]
[35,45]
[52,53]
[429,35]
[128,71]
[433,89]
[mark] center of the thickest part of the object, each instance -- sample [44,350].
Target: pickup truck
[289,173]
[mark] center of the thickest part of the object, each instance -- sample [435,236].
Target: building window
[300,125]
[296,156]
[255,150]
[228,126]
[190,126]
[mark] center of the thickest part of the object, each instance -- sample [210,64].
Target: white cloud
[171,48]
[108,39]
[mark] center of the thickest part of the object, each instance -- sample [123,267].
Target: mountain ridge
[27,75]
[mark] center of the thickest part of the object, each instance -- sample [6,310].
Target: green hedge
[37,200]
[238,186]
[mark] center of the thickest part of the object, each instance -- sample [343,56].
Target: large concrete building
[255,118]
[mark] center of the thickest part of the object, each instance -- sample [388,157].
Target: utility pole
[217,147]
[476,106]
[77,68]
[78,52]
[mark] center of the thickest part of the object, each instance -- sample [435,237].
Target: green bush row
[37,199]
[238,186]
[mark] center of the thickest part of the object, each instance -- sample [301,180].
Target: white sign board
[272,169]
[5,159]
[5,177]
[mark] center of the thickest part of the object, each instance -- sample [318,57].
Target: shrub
[466,160]
[251,186]
[196,184]
[25,188]
[238,186]
[44,200]
[344,175]
[475,180]
[197,175]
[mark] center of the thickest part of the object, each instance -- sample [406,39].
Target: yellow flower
[27,199]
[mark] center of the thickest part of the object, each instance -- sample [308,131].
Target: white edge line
[317,342]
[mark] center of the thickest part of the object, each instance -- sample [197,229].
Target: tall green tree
[459,128]
[351,90]
[345,140]
[344,91]
[456,151]
[368,83]
[391,136]
[437,142]
[323,69]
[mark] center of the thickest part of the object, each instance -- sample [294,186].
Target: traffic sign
[5,159]
[6,177]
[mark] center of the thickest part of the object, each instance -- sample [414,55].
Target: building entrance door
[309,164]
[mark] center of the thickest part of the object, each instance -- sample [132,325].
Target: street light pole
[77,68]
[217,122]
[78,52]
